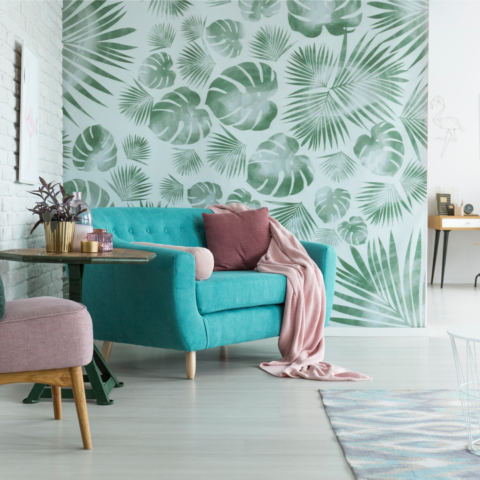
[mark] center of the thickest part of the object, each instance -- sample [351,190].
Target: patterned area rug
[402,433]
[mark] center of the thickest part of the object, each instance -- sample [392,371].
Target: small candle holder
[105,240]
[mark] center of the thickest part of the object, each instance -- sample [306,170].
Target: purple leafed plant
[51,209]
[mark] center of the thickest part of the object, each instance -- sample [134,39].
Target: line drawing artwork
[449,124]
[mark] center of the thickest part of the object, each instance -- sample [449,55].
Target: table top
[466,332]
[40,255]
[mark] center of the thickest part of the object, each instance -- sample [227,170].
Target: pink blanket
[301,342]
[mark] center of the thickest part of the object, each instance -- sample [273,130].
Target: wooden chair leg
[57,402]
[107,350]
[223,353]
[81,405]
[191,364]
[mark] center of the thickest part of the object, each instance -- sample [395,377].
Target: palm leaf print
[171,8]
[161,36]
[227,154]
[186,162]
[218,3]
[294,217]
[171,190]
[414,183]
[414,117]
[67,150]
[327,236]
[375,293]
[89,48]
[338,166]
[359,91]
[193,27]
[136,104]
[136,148]
[196,65]
[406,22]
[130,184]
[147,204]
[270,43]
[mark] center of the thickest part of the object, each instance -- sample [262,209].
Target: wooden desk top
[40,255]
[435,222]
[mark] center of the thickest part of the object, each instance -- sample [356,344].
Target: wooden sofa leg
[223,353]
[107,350]
[191,364]
[81,405]
[57,402]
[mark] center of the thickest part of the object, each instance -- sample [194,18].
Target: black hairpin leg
[435,250]
[476,279]
[445,245]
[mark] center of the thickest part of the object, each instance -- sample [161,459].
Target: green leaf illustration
[161,36]
[218,3]
[239,97]
[136,148]
[196,65]
[227,154]
[156,72]
[92,194]
[253,9]
[130,184]
[171,8]
[89,50]
[375,292]
[177,119]
[67,150]
[353,231]
[95,147]
[147,204]
[337,90]
[338,166]
[294,217]
[225,36]
[331,205]
[270,43]
[327,236]
[382,153]
[186,161]
[414,183]
[310,16]
[240,195]
[204,194]
[193,27]
[171,190]
[406,23]
[414,117]
[275,169]
[136,104]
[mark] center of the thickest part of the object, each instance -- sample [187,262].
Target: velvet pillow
[2,299]
[237,240]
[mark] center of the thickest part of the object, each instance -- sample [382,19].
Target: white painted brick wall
[39,25]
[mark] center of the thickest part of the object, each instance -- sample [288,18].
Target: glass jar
[105,240]
[84,224]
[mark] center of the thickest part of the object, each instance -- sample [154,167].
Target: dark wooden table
[98,373]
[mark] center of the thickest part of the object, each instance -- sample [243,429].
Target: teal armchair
[160,304]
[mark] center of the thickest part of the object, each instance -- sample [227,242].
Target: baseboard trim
[375,332]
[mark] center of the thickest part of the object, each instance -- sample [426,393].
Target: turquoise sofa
[161,305]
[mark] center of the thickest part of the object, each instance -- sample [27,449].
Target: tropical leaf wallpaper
[314,109]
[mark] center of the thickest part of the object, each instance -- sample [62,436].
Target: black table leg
[435,250]
[99,375]
[445,245]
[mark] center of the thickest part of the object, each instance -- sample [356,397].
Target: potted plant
[57,215]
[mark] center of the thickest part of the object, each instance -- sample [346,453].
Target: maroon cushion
[237,240]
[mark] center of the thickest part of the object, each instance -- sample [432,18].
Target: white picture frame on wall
[28,155]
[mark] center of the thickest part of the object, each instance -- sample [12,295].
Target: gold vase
[61,239]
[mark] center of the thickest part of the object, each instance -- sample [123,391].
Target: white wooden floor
[233,421]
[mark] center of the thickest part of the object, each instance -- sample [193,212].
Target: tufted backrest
[169,226]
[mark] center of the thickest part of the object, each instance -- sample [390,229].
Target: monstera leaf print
[294,217]
[239,97]
[331,205]
[275,170]
[240,195]
[92,194]
[382,153]
[95,147]
[253,9]
[177,119]
[310,16]
[354,231]
[155,71]
[204,194]
[224,36]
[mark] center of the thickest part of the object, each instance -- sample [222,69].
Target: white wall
[454,74]
[39,24]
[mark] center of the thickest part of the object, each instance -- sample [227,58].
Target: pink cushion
[44,333]
[237,240]
[203,258]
